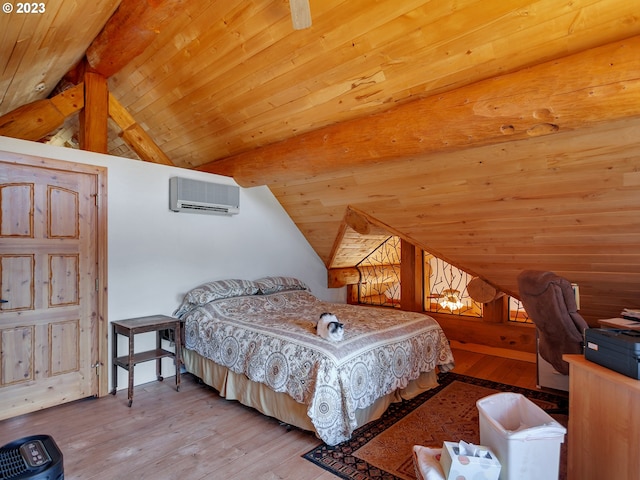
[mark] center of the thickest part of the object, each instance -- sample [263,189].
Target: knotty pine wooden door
[48,282]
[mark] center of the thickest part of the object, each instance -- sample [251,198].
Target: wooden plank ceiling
[498,135]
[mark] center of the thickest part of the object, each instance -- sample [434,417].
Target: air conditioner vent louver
[195,196]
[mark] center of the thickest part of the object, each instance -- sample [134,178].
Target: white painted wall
[156,255]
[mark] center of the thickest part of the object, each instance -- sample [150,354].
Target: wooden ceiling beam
[129,31]
[127,34]
[37,119]
[595,86]
[135,136]
[341,277]
[362,224]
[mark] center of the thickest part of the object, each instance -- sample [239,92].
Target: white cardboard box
[464,467]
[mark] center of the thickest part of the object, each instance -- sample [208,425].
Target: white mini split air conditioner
[195,196]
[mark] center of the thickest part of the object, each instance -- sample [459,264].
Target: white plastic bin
[524,437]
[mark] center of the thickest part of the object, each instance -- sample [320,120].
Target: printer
[617,349]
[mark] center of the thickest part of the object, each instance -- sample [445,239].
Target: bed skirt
[235,386]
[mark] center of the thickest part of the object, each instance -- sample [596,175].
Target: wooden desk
[604,422]
[621,323]
[129,328]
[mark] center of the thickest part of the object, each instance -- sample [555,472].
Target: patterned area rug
[383,449]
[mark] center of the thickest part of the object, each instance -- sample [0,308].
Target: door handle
[3,301]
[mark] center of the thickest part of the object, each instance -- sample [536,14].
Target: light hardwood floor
[195,434]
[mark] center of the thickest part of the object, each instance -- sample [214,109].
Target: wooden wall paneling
[339,187]
[204,44]
[24,54]
[75,25]
[19,54]
[439,41]
[584,183]
[228,87]
[208,65]
[60,26]
[357,237]
[547,30]
[275,58]
[314,209]
[560,223]
[572,214]
[519,337]
[51,41]
[377,27]
[178,40]
[239,60]
[351,248]
[321,115]
[11,56]
[468,116]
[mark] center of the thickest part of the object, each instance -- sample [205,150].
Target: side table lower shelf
[131,327]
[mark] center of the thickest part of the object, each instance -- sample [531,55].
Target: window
[445,289]
[444,286]
[380,275]
[517,314]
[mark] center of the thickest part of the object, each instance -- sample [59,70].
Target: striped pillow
[216,290]
[267,285]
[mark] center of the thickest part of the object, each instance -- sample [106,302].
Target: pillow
[267,285]
[214,291]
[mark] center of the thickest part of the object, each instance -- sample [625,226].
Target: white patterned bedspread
[271,339]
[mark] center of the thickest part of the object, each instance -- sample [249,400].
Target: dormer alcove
[381,269]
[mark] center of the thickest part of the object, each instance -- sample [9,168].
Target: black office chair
[550,302]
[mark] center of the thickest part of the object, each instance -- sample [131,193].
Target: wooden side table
[131,327]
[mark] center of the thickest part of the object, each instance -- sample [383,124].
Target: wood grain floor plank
[195,434]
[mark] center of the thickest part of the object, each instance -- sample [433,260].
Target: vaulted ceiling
[499,135]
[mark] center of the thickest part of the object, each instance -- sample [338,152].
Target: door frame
[100,177]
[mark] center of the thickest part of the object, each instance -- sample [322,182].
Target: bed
[255,342]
